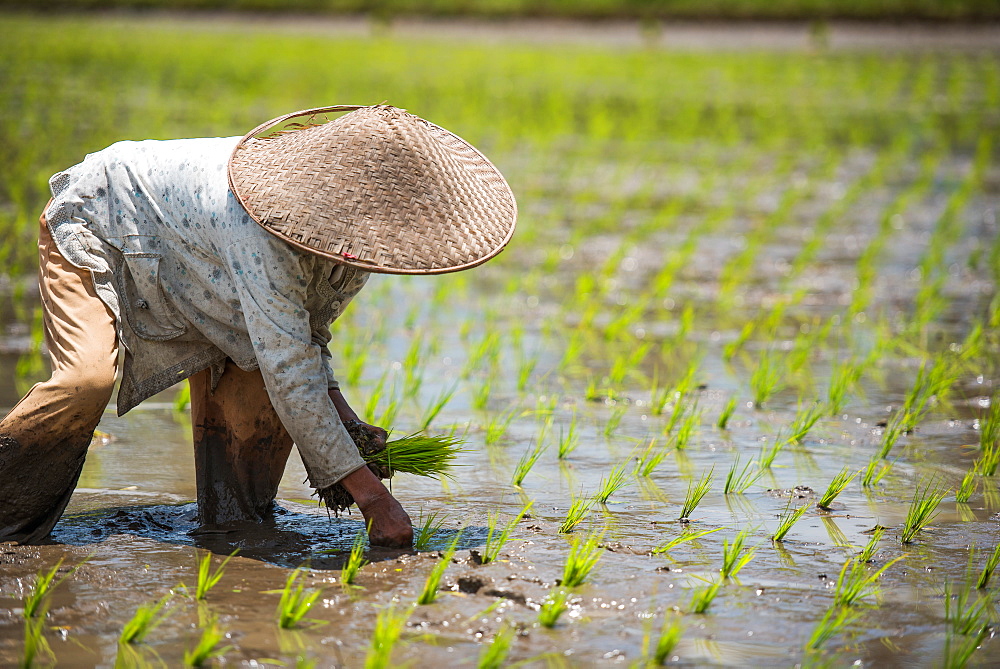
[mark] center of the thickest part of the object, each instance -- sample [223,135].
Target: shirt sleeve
[321,337]
[271,280]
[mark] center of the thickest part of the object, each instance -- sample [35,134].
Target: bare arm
[388,524]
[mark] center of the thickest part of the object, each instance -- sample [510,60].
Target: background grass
[934,10]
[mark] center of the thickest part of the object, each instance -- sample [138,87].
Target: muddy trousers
[240,445]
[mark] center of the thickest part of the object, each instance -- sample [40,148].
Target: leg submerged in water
[240,447]
[44,438]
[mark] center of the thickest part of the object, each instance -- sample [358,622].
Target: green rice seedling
[875,472]
[989,426]
[923,509]
[436,406]
[481,395]
[855,583]
[35,643]
[738,480]
[695,493]
[207,579]
[388,415]
[374,396]
[498,425]
[703,597]
[894,429]
[670,636]
[295,600]
[930,384]
[552,608]
[987,463]
[146,618]
[428,526]
[734,558]
[963,617]
[830,625]
[528,459]
[989,568]
[389,625]
[495,540]
[681,538]
[612,482]
[494,656]
[836,486]
[615,419]
[687,428]
[487,351]
[429,594]
[788,519]
[650,459]
[355,560]
[207,647]
[968,486]
[768,454]
[427,455]
[766,379]
[843,380]
[583,556]
[727,413]
[568,440]
[658,397]
[577,511]
[729,350]
[957,653]
[868,552]
[524,371]
[35,602]
[804,421]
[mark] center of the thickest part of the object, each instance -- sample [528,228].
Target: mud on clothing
[192,280]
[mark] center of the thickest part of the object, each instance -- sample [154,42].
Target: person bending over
[224,261]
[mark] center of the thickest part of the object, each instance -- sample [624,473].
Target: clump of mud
[335,497]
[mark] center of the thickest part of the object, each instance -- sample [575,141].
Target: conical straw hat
[377,188]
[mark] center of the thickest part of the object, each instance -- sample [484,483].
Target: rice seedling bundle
[432,456]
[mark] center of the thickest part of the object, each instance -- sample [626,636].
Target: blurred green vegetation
[587,9]
[75,85]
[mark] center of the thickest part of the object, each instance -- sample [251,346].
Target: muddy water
[131,529]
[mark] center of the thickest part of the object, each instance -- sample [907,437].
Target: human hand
[388,524]
[370,440]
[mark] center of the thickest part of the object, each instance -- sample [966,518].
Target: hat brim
[377,188]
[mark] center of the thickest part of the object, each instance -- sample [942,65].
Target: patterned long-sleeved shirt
[192,279]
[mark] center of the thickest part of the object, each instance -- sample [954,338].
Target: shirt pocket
[148,313]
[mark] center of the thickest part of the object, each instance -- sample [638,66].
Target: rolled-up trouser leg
[240,447]
[44,438]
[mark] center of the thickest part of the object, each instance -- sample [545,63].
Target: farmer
[224,261]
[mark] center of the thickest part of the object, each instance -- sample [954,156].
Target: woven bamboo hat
[377,188]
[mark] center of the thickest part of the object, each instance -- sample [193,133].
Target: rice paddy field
[729,398]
